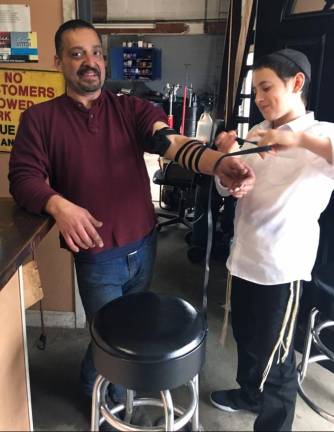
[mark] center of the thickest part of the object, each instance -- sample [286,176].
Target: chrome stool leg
[308,343]
[129,406]
[195,419]
[169,410]
[96,401]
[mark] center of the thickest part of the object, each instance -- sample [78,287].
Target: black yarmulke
[296,57]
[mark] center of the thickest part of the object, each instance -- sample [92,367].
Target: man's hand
[75,223]
[236,176]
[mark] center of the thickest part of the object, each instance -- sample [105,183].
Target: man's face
[81,62]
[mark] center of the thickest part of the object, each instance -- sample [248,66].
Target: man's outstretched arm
[195,156]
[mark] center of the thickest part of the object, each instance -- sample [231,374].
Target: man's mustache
[85,69]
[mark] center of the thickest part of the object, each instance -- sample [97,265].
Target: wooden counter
[20,234]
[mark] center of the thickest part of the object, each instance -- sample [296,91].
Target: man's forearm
[53,204]
[30,193]
[195,156]
[190,153]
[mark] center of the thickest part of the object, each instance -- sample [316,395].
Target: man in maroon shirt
[89,144]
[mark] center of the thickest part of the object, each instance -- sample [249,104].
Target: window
[310,6]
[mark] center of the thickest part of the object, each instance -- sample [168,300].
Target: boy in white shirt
[276,235]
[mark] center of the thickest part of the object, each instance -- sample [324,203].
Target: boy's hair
[71,25]
[286,64]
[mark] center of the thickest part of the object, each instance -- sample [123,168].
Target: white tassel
[227,308]
[292,322]
[280,341]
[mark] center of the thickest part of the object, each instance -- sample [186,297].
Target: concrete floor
[54,372]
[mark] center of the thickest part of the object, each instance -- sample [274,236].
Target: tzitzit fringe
[290,315]
[227,308]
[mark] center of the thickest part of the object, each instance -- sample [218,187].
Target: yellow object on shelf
[33,291]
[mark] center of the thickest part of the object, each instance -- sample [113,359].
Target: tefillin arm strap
[194,150]
[188,155]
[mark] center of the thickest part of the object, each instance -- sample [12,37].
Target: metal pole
[84,10]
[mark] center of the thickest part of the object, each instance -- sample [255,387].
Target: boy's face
[275,98]
[81,61]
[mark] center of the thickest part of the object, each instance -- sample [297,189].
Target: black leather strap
[242,152]
[210,226]
[198,158]
[180,150]
[191,157]
[184,155]
[159,142]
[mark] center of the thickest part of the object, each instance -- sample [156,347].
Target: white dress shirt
[276,230]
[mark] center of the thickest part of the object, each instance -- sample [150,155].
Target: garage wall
[203,55]
[160,9]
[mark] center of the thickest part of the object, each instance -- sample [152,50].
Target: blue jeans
[104,280]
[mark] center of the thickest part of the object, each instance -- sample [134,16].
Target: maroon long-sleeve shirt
[93,157]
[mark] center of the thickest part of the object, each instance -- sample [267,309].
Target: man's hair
[285,68]
[71,25]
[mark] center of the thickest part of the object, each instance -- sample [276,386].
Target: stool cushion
[170,326]
[148,332]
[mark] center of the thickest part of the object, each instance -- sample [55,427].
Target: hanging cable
[219,125]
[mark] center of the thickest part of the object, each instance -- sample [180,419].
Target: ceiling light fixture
[121,25]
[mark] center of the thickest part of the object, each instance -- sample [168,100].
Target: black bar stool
[324,280]
[147,342]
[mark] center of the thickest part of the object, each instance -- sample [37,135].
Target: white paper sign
[15,18]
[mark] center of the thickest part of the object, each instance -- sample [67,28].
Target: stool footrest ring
[323,413]
[319,344]
[109,414]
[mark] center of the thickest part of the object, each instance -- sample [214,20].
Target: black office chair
[180,183]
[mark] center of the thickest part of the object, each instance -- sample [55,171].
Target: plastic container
[204,127]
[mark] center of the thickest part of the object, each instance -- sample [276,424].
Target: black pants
[257,313]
